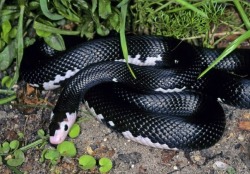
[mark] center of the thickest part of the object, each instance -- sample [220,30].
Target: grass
[197,21]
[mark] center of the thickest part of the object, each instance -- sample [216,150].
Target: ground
[232,150]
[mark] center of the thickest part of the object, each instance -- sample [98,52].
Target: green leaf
[41,133]
[6,27]
[42,33]
[55,41]
[87,29]
[47,13]
[5,147]
[17,160]
[102,30]
[67,148]
[13,32]
[14,144]
[94,6]
[65,9]
[124,8]
[74,131]
[20,135]
[20,45]
[87,162]
[2,44]
[34,5]
[106,165]
[53,155]
[42,158]
[104,8]
[43,27]
[232,46]
[114,21]
[7,99]
[7,56]
[6,81]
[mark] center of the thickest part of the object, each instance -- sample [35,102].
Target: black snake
[165,106]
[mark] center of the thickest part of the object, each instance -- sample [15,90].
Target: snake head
[60,126]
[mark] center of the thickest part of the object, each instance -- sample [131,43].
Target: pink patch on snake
[61,133]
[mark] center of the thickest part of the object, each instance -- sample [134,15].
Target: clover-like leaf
[5,147]
[87,162]
[14,144]
[106,165]
[67,148]
[74,131]
[51,154]
[17,160]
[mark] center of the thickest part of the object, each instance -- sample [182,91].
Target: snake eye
[66,127]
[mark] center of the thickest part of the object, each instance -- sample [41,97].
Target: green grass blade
[7,99]
[191,7]
[242,14]
[227,51]
[124,8]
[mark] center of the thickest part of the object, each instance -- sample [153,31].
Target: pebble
[197,158]
[219,165]
[241,137]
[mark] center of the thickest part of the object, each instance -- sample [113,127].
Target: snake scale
[165,106]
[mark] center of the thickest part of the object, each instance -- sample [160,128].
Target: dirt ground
[231,153]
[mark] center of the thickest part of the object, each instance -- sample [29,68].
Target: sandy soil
[233,150]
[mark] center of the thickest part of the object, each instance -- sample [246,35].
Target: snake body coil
[181,113]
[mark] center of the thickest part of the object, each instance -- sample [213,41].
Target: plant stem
[9,92]
[31,145]
[242,14]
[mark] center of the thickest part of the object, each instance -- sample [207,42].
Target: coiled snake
[164,107]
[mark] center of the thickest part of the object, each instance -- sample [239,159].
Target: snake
[163,106]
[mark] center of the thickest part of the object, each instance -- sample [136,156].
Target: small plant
[106,165]
[64,149]
[67,149]
[88,162]
[50,154]
[74,131]
[12,155]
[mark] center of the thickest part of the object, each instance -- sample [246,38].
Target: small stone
[219,165]
[241,137]
[175,168]
[197,158]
